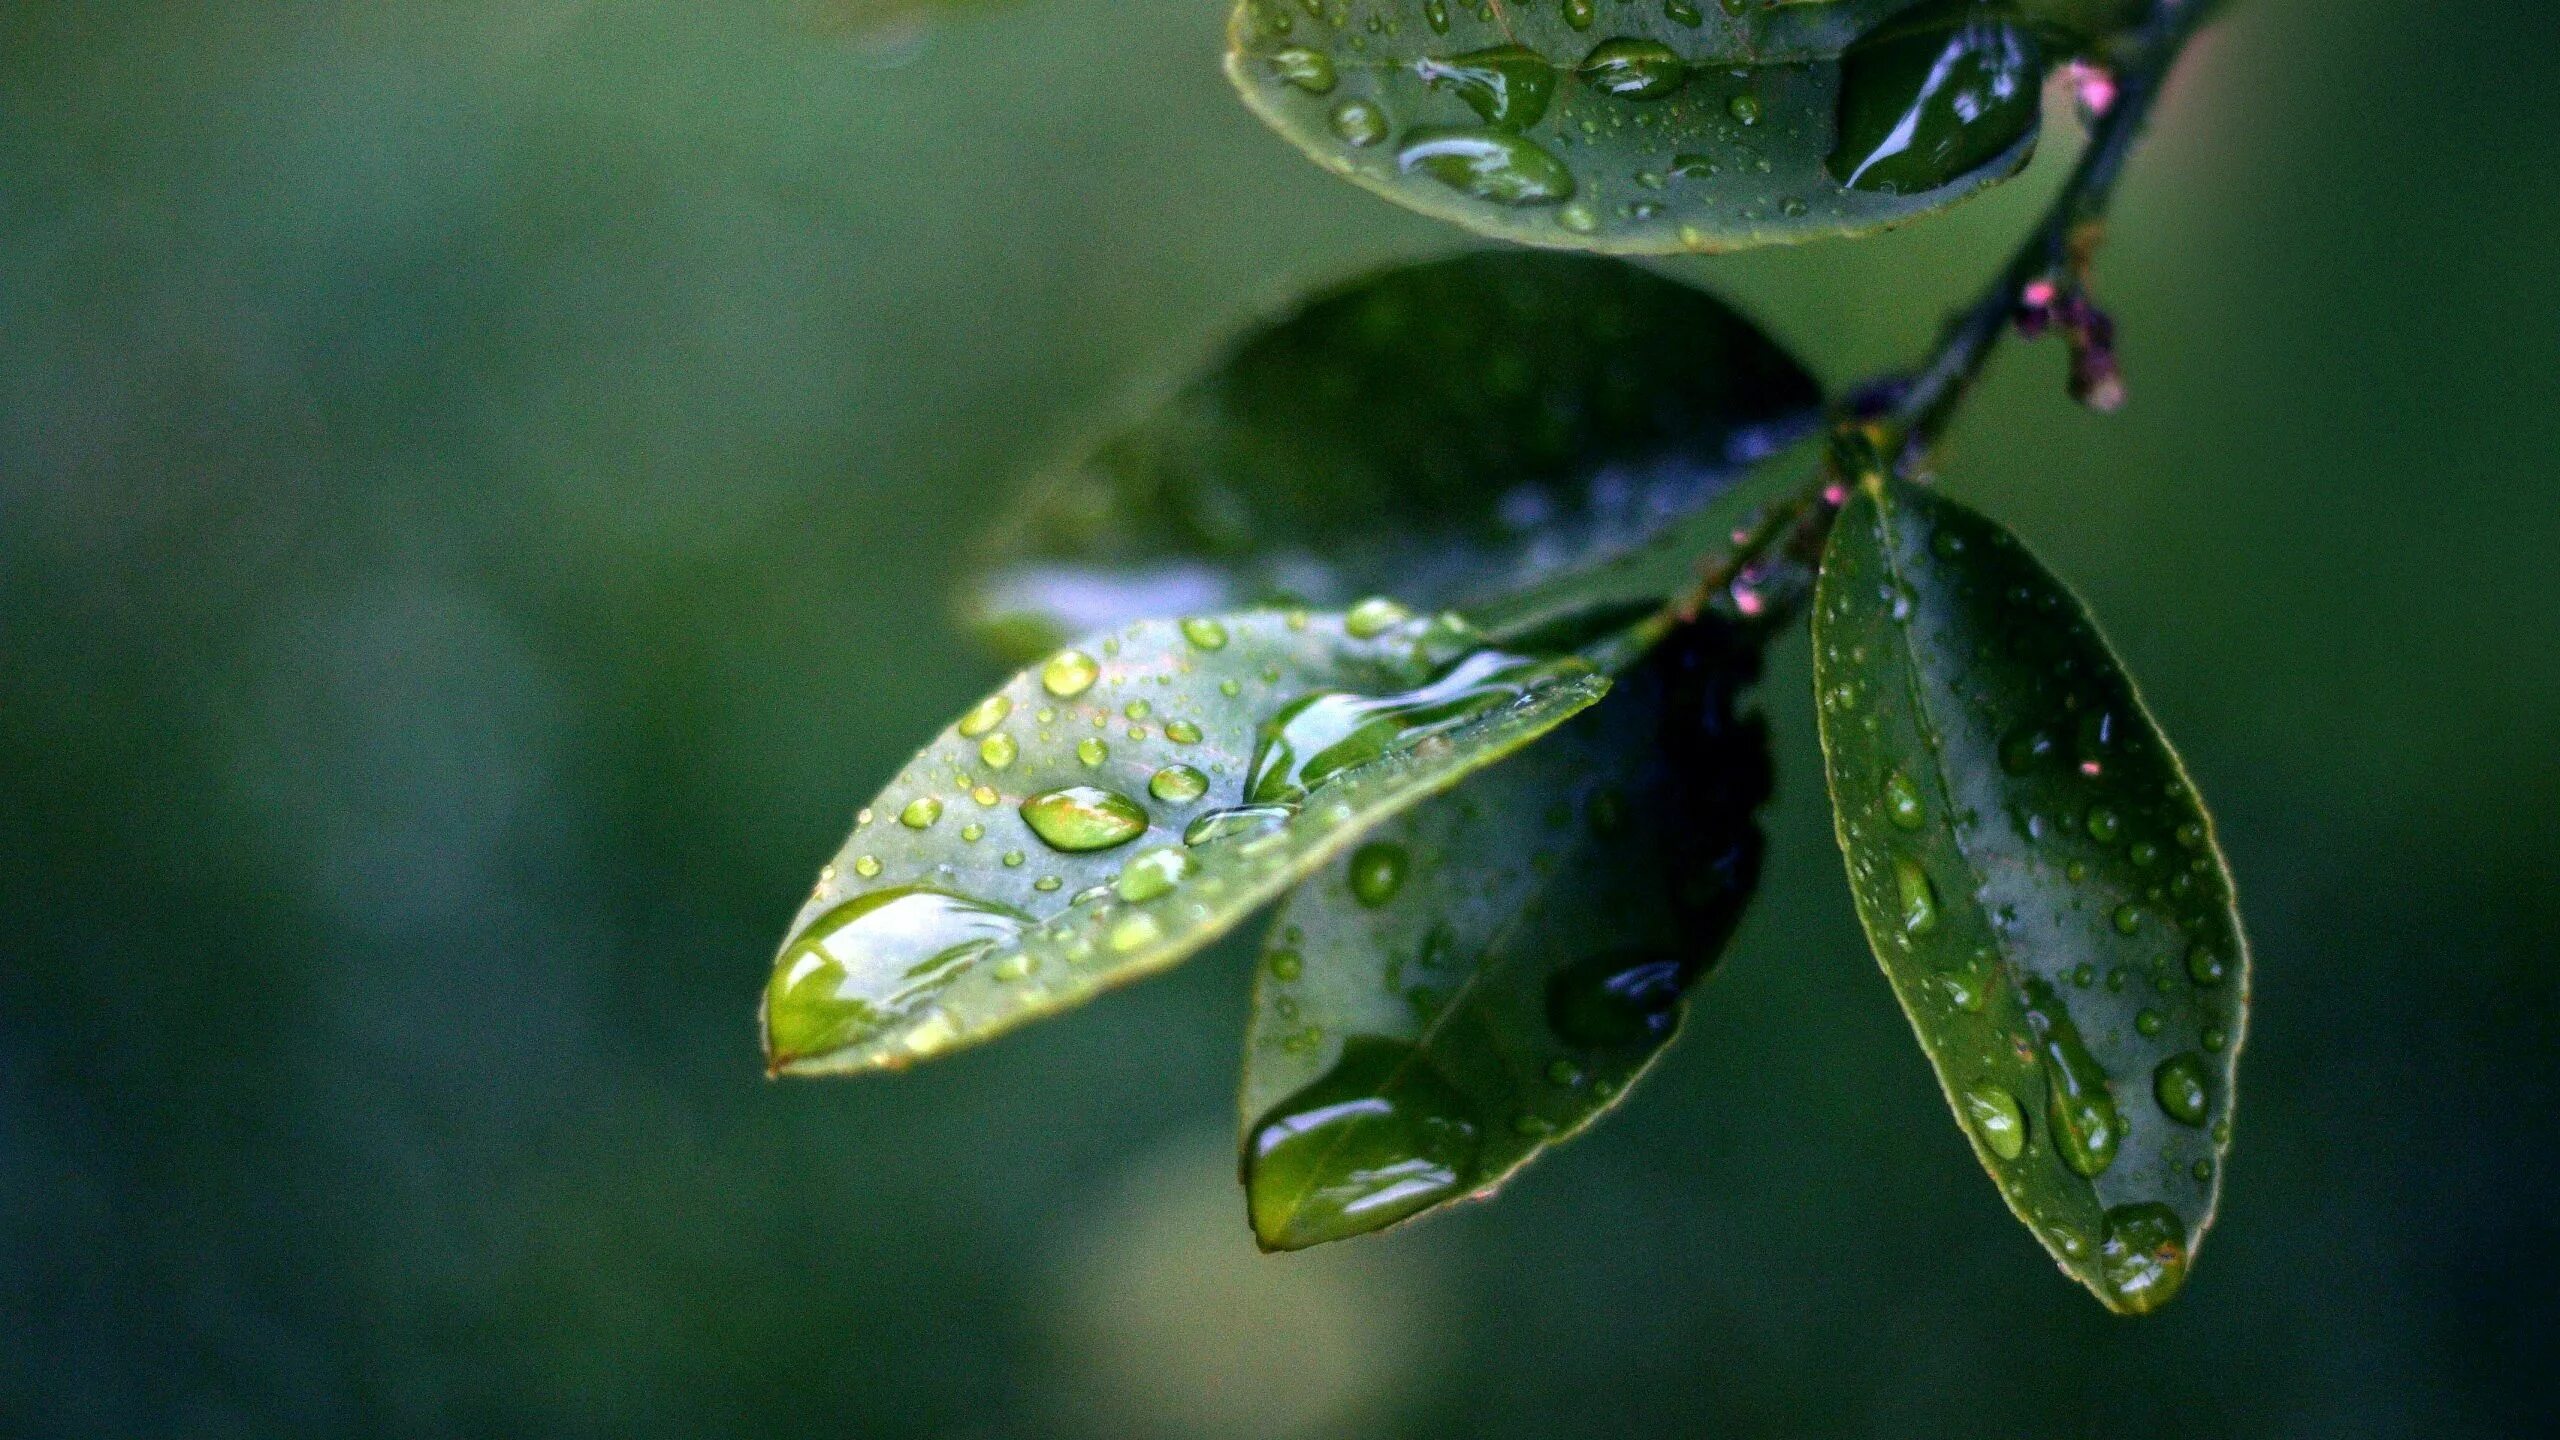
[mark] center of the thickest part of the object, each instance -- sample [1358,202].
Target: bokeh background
[480,486]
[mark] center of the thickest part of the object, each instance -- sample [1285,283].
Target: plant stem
[1918,408]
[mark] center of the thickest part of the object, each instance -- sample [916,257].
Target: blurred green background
[480,489]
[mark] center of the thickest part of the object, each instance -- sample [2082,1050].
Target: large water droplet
[1926,101]
[1069,673]
[1508,85]
[2088,1129]
[920,813]
[1084,817]
[1377,1138]
[1634,69]
[1902,803]
[1488,165]
[2184,1088]
[1377,872]
[1617,998]
[1317,736]
[1373,617]
[864,965]
[2144,1258]
[998,751]
[1359,123]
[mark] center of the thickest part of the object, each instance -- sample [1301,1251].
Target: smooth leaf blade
[1117,807]
[1449,431]
[1486,974]
[2038,879]
[1650,128]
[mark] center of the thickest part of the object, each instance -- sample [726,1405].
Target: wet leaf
[2039,880]
[1650,126]
[1449,430]
[1485,974]
[1118,806]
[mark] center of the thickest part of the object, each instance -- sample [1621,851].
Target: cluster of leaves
[1594,495]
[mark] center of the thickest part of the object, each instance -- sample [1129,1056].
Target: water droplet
[920,813]
[1318,736]
[1285,964]
[1902,804]
[1309,70]
[2025,750]
[1564,1073]
[1379,1137]
[1634,69]
[1069,673]
[1359,123]
[2104,826]
[1997,1119]
[985,716]
[1152,874]
[2191,835]
[1916,895]
[2127,919]
[1373,617]
[1244,820]
[1578,13]
[1084,817]
[1488,165]
[1744,108]
[1435,13]
[1684,11]
[998,751]
[867,866]
[1092,752]
[863,966]
[1137,709]
[2204,966]
[2088,1130]
[2184,1088]
[1617,998]
[1012,858]
[2149,1023]
[1204,632]
[1134,932]
[1508,86]
[1377,872]
[1178,785]
[1926,103]
[2144,1259]
[973,832]
[1047,884]
[984,794]
[2214,1038]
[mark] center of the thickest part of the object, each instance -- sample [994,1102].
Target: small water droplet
[1634,69]
[2183,1085]
[1917,896]
[1902,803]
[1377,872]
[1744,108]
[1178,785]
[1092,751]
[1243,820]
[867,866]
[2144,1258]
[920,813]
[2104,825]
[2204,966]
[1069,673]
[998,751]
[1997,1119]
[1285,964]
[2127,919]
[985,716]
[2087,1128]
[1152,874]
[1309,70]
[1359,123]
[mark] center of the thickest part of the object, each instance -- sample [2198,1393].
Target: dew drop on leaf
[1082,818]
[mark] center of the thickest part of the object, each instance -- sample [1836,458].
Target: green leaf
[1486,974]
[2039,880]
[1649,126]
[1448,431]
[1119,806]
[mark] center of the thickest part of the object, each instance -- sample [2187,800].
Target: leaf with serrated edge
[2039,880]
[921,937]
[1449,431]
[1643,128]
[1485,975]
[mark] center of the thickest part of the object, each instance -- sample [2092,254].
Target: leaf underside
[1447,432]
[1486,974]
[1651,127]
[2039,881]
[951,915]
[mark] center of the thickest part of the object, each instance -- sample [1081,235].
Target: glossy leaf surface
[1486,974]
[1447,431]
[1117,806]
[1650,126]
[2039,880]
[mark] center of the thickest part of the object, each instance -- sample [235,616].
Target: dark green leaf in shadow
[1120,805]
[1447,431]
[1484,975]
[1650,126]
[2038,879]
